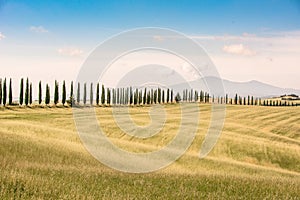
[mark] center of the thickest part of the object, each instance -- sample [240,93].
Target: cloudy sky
[246,40]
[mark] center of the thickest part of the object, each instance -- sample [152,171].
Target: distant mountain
[252,88]
[256,88]
[145,76]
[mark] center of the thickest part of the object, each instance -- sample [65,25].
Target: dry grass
[257,156]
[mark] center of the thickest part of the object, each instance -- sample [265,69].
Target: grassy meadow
[256,157]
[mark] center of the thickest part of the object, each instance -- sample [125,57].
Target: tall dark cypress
[108,96]
[117,95]
[130,96]
[159,95]
[226,99]
[196,96]
[168,95]
[123,96]
[97,94]
[78,93]
[21,92]
[71,94]
[27,92]
[140,97]
[91,94]
[84,93]
[30,93]
[248,100]
[40,92]
[152,97]
[201,96]
[10,93]
[0,91]
[64,95]
[103,95]
[56,97]
[172,96]
[47,97]
[113,96]
[148,98]
[136,95]
[236,99]
[163,96]
[145,96]
[155,96]
[4,92]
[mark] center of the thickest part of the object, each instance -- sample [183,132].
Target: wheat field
[256,157]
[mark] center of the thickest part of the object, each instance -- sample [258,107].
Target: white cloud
[158,38]
[38,29]
[70,51]
[238,49]
[2,36]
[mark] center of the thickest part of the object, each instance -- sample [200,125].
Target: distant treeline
[119,96]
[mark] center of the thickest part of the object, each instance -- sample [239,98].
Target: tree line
[120,96]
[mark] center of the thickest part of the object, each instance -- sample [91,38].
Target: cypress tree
[91,94]
[252,100]
[207,98]
[97,94]
[56,98]
[145,96]
[152,96]
[30,93]
[130,96]
[40,92]
[226,99]
[108,96]
[118,96]
[163,96]
[64,95]
[0,91]
[196,96]
[126,96]
[248,100]
[140,97]
[123,95]
[177,97]
[4,92]
[168,96]
[78,93]
[236,99]
[159,95]
[148,97]
[155,96]
[71,95]
[136,96]
[113,96]
[27,92]
[47,98]
[103,95]
[10,93]
[171,96]
[84,93]
[201,96]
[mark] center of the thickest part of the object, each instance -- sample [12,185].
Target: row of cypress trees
[122,96]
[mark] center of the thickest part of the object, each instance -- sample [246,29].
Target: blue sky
[192,17]
[246,39]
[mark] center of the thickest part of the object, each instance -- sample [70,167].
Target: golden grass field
[256,157]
